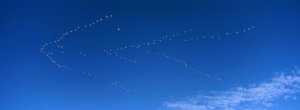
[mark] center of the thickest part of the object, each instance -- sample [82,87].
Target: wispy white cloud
[257,96]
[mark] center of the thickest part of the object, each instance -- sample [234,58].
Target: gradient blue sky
[30,82]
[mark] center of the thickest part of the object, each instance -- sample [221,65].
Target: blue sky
[171,75]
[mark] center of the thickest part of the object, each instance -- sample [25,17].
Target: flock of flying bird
[56,43]
[117,52]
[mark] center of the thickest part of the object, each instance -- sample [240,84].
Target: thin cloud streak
[259,96]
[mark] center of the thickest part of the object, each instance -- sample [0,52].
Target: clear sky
[224,54]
